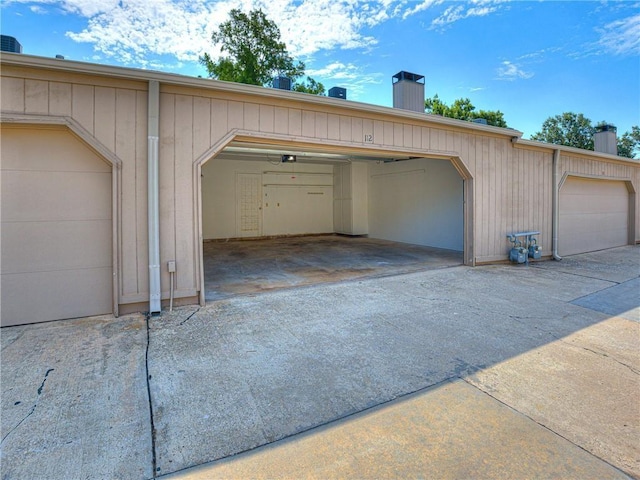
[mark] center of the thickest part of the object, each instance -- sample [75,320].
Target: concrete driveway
[488,372]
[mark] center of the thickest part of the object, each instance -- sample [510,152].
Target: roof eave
[74,66]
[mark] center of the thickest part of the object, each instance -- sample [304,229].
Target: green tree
[570,129]
[310,86]
[251,51]
[463,109]
[575,130]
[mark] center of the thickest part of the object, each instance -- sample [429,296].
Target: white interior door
[248,205]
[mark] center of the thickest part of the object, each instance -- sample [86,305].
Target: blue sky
[531,60]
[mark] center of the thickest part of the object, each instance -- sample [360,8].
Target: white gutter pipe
[153,200]
[555,214]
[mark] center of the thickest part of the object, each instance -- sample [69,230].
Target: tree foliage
[570,129]
[251,51]
[310,86]
[576,130]
[463,109]
[629,143]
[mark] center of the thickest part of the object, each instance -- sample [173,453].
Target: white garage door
[56,228]
[594,215]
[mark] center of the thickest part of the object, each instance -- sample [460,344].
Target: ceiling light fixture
[288,158]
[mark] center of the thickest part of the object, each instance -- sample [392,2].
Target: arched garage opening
[57,226]
[393,210]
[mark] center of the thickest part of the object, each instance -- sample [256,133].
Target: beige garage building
[110,174]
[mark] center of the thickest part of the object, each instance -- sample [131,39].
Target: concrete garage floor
[488,372]
[257,265]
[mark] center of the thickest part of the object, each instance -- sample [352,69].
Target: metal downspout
[555,205]
[153,200]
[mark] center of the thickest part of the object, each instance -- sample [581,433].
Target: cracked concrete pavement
[488,371]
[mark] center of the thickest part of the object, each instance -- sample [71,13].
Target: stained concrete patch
[621,300]
[584,387]
[257,265]
[451,431]
[74,400]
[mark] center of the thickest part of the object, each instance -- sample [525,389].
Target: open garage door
[594,215]
[411,210]
[56,227]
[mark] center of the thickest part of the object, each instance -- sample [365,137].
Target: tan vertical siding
[333,127]
[219,119]
[202,119]
[321,124]
[347,129]
[59,98]
[141,228]
[36,96]
[235,115]
[183,207]
[125,149]
[308,124]
[251,117]
[281,120]
[167,164]
[105,116]
[12,94]
[82,106]
[295,121]
[267,118]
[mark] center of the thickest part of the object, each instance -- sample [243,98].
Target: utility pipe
[555,214]
[153,200]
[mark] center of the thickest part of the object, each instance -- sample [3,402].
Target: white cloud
[352,77]
[139,31]
[511,71]
[423,5]
[622,37]
[132,30]
[462,10]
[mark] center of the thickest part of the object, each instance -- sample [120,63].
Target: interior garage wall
[417,201]
[296,198]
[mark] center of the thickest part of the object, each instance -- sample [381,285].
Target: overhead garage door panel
[55,196]
[56,228]
[594,215]
[46,246]
[55,295]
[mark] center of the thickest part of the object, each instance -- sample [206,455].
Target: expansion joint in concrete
[148,377]
[542,425]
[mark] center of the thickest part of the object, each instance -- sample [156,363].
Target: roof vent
[60,57]
[605,139]
[408,91]
[481,121]
[282,83]
[10,44]
[338,92]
